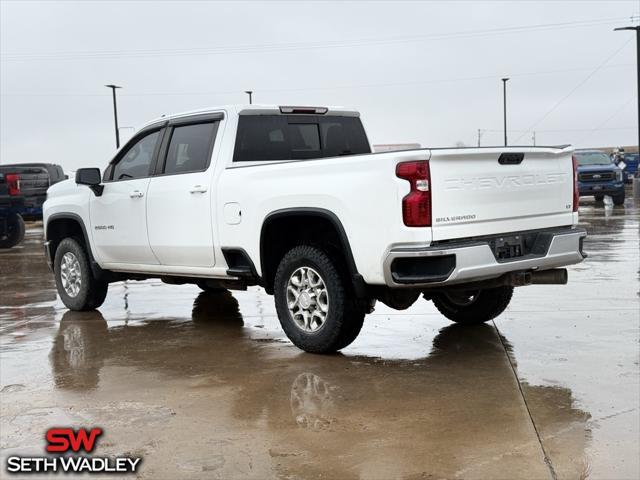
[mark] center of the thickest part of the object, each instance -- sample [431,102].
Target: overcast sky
[425,72]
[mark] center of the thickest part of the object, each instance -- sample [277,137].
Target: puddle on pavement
[206,385]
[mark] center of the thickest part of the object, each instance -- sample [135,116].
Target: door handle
[136,194]
[198,189]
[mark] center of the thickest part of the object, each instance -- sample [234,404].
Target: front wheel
[599,198]
[619,199]
[313,302]
[77,287]
[473,307]
[15,231]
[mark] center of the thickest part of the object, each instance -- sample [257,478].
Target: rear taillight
[13,183]
[576,193]
[416,205]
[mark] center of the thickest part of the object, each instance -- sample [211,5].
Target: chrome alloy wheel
[307,299]
[70,274]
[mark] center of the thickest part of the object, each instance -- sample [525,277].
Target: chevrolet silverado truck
[292,199]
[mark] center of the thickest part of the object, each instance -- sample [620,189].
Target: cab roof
[259,109]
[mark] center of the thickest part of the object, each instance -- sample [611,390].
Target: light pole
[115,112]
[504,103]
[249,92]
[637,29]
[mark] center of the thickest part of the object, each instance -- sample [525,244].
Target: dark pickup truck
[35,179]
[599,176]
[11,204]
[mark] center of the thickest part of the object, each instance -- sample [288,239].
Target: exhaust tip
[555,276]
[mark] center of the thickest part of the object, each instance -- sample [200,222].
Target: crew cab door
[179,200]
[119,215]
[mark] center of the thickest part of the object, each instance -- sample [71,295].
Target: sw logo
[69,443]
[65,439]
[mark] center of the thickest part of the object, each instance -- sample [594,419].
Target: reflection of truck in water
[11,205]
[300,402]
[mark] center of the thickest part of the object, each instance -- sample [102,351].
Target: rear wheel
[313,303]
[77,287]
[15,231]
[473,307]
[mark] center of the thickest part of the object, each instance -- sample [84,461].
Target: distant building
[394,147]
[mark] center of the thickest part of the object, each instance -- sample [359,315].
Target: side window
[190,148]
[136,161]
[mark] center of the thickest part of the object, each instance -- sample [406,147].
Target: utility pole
[479,136]
[637,29]
[115,112]
[533,137]
[504,102]
[249,92]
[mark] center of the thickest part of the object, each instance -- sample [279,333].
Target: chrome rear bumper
[475,260]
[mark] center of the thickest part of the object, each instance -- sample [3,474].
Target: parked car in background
[598,175]
[630,165]
[11,204]
[35,179]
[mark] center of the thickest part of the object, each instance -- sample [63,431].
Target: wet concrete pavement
[207,386]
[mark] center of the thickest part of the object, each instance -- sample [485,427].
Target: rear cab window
[298,137]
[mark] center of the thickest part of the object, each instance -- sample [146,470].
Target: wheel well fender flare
[328,215]
[77,219]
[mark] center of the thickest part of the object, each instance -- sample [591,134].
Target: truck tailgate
[486,191]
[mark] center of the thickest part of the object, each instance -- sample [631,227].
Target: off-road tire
[344,316]
[618,199]
[487,305]
[92,291]
[15,231]
[356,315]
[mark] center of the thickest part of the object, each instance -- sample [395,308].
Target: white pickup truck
[293,200]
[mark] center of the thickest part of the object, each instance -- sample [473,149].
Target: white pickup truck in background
[293,200]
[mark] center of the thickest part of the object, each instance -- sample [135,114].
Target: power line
[590,129]
[582,82]
[8,57]
[335,87]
